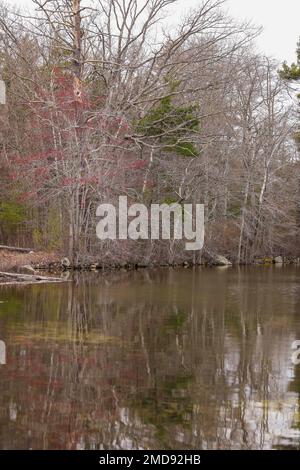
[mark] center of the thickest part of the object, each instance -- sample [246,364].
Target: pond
[152,359]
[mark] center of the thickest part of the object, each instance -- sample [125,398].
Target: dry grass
[10,260]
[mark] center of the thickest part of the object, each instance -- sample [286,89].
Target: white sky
[280,20]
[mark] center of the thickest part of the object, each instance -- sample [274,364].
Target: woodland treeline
[123,97]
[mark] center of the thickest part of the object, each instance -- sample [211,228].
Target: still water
[160,359]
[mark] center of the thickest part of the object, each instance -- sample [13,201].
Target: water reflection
[164,359]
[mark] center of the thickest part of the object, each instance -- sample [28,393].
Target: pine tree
[292,72]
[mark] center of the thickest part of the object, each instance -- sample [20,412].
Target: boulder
[220,260]
[65,263]
[142,265]
[278,260]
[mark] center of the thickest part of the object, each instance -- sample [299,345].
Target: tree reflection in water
[165,359]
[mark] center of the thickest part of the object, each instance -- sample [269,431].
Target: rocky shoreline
[217,260]
[20,268]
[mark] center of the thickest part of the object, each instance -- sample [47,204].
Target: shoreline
[25,268]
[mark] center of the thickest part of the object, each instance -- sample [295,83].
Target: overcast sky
[280,20]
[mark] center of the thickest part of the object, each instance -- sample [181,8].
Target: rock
[278,260]
[65,263]
[27,269]
[142,265]
[220,260]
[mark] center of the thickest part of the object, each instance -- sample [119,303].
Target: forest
[123,98]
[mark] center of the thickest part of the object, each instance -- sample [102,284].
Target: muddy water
[162,359]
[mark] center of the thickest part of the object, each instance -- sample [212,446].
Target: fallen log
[22,283]
[32,277]
[16,248]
